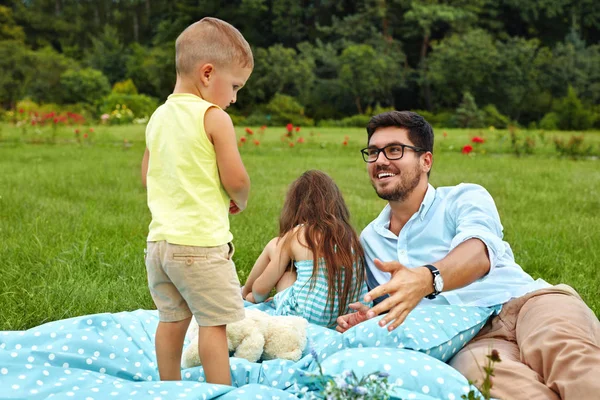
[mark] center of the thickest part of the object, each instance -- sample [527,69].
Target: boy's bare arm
[145,166]
[232,172]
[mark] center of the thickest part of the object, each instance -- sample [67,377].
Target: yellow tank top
[189,205]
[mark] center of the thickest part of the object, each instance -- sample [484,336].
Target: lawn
[73,215]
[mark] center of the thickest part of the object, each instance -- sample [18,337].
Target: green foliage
[573,148]
[285,109]
[442,119]
[356,121]
[141,106]
[571,113]
[49,67]
[279,70]
[125,87]
[16,71]
[85,85]
[462,63]
[494,118]
[9,30]
[468,115]
[549,122]
[519,143]
[365,74]
[107,54]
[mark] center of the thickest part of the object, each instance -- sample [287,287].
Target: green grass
[73,218]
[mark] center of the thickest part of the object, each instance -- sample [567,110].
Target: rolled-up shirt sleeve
[474,214]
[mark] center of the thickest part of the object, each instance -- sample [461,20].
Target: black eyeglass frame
[365,151]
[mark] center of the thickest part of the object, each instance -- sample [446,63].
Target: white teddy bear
[259,334]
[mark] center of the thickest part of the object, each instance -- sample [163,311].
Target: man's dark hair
[419,130]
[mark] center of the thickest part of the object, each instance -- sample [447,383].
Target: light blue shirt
[447,217]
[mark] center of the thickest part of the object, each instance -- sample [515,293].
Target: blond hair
[211,40]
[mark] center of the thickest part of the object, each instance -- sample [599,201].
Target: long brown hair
[315,201]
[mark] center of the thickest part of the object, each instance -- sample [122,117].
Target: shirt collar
[427,201]
[382,222]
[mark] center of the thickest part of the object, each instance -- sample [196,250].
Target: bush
[355,121]
[84,85]
[141,106]
[549,122]
[572,115]
[495,118]
[468,115]
[285,109]
[125,87]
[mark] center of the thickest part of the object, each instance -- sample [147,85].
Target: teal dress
[311,303]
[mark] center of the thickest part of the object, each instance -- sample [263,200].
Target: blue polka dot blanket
[111,356]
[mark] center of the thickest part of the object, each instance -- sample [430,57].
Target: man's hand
[406,288]
[233,208]
[345,322]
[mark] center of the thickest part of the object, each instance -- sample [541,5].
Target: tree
[463,63]
[16,71]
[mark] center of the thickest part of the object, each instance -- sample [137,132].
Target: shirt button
[189,261]
[402,252]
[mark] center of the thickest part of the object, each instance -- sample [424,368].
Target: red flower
[91,130]
[291,144]
[256,142]
[297,129]
[300,140]
[467,149]
[445,133]
[477,139]
[77,131]
[33,122]
[243,139]
[263,127]
[289,128]
[55,120]
[21,111]
[249,131]
[345,143]
[85,136]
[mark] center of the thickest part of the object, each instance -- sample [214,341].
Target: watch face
[438,283]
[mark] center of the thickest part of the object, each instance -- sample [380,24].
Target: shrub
[125,87]
[85,85]
[574,148]
[549,122]
[572,115]
[355,121]
[468,115]
[495,118]
[285,109]
[141,106]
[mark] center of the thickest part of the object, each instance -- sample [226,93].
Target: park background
[512,88]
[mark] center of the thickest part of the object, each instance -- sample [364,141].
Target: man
[444,246]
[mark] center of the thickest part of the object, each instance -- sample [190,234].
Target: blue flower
[360,390]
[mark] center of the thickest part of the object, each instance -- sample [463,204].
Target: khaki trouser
[549,343]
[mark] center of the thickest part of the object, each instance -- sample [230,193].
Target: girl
[316,264]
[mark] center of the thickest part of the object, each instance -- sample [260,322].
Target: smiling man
[444,246]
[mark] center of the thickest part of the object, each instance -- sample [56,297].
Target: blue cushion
[439,331]
[413,375]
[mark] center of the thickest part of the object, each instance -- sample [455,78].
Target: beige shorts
[190,280]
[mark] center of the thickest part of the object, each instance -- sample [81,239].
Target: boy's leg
[173,312]
[169,346]
[214,354]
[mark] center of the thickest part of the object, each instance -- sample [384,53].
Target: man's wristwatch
[438,282]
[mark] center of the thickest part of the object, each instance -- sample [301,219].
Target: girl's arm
[275,269]
[259,266]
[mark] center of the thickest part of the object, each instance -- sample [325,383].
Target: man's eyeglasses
[391,152]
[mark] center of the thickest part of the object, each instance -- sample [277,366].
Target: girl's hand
[233,208]
[345,322]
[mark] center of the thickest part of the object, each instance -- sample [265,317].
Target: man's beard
[402,190]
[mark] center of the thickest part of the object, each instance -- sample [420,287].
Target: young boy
[195,177]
